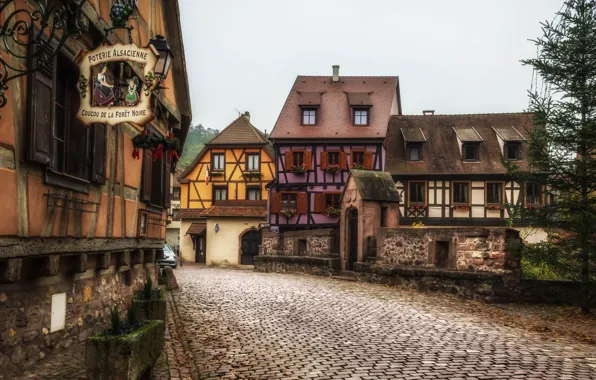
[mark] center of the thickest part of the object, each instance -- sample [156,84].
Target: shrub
[115,318]
[147,289]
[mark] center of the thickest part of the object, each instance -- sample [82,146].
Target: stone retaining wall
[297,264]
[313,243]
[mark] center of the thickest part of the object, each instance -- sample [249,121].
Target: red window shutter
[343,160]
[368,160]
[147,168]
[324,159]
[275,205]
[302,203]
[289,160]
[308,160]
[319,202]
[167,178]
[41,112]
[98,174]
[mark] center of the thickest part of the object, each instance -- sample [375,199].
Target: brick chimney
[335,77]
[428,112]
[246,115]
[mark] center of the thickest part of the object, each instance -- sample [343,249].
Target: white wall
[186,249]
[223,246]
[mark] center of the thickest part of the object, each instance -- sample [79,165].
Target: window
[309,116]
[332,158]
[332,200]
[360,116]
[158,182]
[513,151]
[253,194]
[252,161]
[533,193]
[357,158]
[494,193]
[441,254]
[298,158]
[470,152]
[176,214]
[417,190]
[156,175]
[142,231]
[288,201]
[219,162]
[220,194]
[414,152]
[176,193]
[461,192]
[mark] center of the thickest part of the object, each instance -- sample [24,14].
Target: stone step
[344,278]
[347,273]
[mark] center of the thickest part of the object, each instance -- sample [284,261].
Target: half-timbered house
[328,125]
[223,196]
[449,168]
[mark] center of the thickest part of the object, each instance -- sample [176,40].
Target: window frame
[336,153]
[333,195]
[486,192]
[361,109]
[409,146]
[218,154]
[424,195]
[253,154]
[540,195]
[453,183]
[470,145]
[289,194]
[301,153]
[219,188]
[359,151]
[508,146]
[309,109]
[258,191]
[176,191]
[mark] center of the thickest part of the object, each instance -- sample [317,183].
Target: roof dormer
[414,141]
[309,103]
[510,141]
[360,105]
[469,141]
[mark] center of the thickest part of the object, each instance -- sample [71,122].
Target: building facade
[328,125]
[82,221]
[223,195]
[173,227]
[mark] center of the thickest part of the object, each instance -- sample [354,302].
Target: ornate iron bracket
[31,38]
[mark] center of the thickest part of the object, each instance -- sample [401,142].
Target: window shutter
[308,160]
[41,105]
[289,160]
[368,160]
[302,203]
[343,160]
[275,205]
[324,159]
[167,177]
[98,171]
[319,202]
[147,166]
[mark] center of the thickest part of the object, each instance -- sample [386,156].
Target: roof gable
[374,186]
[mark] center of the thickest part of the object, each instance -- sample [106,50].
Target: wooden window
[253,161]
[176,193]
[358,157]
[333,158]
[470,152]
[309,116]
[253,193]
[289,201]
[494,193]
[155,180]
[512,151]
[533,193]
[361,116]
[297,158]
[218,162]
[333,200]
[441,254]
[461,193]
[417,192]
[220,194]
[414,152]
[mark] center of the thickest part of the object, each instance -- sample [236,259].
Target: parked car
[169,258]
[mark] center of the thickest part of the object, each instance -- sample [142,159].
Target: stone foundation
[297,264]
[314,243]
[93,284]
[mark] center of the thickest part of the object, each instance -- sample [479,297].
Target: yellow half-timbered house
[223,197]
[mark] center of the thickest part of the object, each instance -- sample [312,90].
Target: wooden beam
[103,260]
[138,256]
[81,263]
[52,265]
[10,270]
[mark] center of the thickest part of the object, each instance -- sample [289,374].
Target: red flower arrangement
[298,169]
[533,207]
[332,168]
[461,207]
[494,207]
[332,211]
[356,165]
[417,207]
[288,212]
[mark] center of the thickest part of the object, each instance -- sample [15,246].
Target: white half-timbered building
[449,170]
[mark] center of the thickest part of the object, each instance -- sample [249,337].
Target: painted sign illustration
[110,89]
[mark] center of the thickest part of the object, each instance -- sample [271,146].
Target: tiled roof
[334,118]
[239,132]
[375,186]
[196,229]
[413,134]
[441,154]
[191,213]
[359,99]
[309,98]
[509,133]
[467,134]
[248,211]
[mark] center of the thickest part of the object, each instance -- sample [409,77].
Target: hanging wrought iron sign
[110,99]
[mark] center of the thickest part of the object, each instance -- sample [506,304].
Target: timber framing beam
[15,247]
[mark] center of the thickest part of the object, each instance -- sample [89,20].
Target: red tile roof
[334,118]
[196,229]
[239,209]
[191,213]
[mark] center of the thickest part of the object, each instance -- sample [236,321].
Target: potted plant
[494,207]
[358,166]
[298,169]
[417,207]
[253,174]
[288,212]
[332,168]
[332,211]
[461,207]
[126,351]
[150,303]
[216,174]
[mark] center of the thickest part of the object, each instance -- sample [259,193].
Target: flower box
[125,357]
[417,207]
[252,174]
[461,208]
[332,211]
[332,168]
[358,166]
[216,174]
[288,213]
[494,207]
[298,169]
[151,309]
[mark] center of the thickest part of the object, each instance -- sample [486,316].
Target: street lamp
[162,68]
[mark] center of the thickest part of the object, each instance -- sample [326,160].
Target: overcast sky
[459,56]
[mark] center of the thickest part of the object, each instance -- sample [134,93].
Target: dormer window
[414,140]
[512,151]
[309,116]
[510,141]
[361,105]
[414,152]
[361,116]
[470,152]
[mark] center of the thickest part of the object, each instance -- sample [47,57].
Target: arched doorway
[352,230]
[249,247]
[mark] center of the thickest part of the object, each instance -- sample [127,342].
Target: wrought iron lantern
[162,68]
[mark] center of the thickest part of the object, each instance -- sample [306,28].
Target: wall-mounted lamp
[162,68]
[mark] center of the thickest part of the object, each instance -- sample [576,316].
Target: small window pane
[298,158]
[288,201]
[533,195]
[416,192]
[460,192]
[414,152]
[333,158]
[309,117]
[512,152]
[218,162]
[357,158]
[253,162]
[254,194]
[332,200]
[361,117]
[471,152]
[221,194]
[494,193]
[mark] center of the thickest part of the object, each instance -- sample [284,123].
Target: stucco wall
[186,248]
[223,246]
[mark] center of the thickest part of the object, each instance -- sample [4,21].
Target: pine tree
[562,144]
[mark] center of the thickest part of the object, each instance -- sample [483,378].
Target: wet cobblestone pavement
[238,324]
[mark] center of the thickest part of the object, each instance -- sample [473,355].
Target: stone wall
[316,243]
[317,266]
[92,289]
[469,249]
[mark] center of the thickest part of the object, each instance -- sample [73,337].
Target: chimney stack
[246,115]
[335,78]
[428,112]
